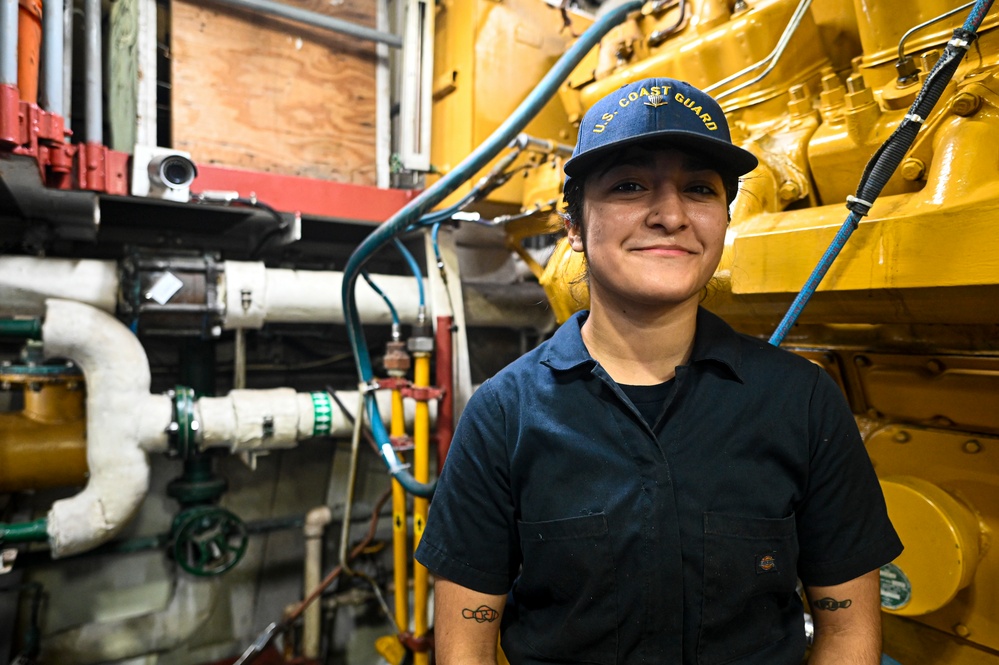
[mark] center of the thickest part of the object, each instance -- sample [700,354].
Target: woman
[649,485]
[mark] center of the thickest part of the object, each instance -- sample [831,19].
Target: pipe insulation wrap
[26,282]
[255,419]
[274,295]
[8,42]
[117,375]
[236,421]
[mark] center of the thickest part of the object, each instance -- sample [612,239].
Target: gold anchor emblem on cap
[655,101]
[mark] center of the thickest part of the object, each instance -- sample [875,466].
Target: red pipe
[445,375]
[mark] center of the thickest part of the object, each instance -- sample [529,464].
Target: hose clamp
[368,387]
[859,206]
[962,38]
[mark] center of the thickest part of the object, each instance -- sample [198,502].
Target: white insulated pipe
[273,295]
[8,42]
[260,420]
[94,89]
[121,417]
[316,521]
[26,282]
[52,42]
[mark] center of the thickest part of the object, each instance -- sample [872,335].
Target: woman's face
[653,228]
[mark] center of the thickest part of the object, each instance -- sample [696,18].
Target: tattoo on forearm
[482,614]
[831,604]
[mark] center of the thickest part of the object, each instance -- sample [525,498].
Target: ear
[574,234]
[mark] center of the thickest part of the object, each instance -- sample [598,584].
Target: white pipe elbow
[117,375]
[316,521]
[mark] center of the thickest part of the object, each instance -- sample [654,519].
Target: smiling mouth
[669,250]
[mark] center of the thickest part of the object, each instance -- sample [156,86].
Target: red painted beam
[306,195]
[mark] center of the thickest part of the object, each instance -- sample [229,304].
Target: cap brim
[729,158]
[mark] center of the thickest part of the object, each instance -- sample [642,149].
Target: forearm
[847,622]
[846,647]
[466,625]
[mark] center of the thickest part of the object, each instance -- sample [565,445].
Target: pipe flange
[184,429]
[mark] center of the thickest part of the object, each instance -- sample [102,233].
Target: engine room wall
[270,95]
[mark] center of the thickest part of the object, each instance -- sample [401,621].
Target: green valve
[322,410]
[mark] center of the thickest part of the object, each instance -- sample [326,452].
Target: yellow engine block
[907,319]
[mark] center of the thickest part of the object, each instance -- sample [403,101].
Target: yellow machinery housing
[907,319]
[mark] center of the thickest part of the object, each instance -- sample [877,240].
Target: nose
[667,210]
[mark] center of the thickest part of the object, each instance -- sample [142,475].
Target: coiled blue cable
[433,195]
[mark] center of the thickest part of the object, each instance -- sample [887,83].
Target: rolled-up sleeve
[470,537]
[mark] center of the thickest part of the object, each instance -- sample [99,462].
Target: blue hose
[374,287]
[413,266]
[433,241]
[887,158]
[436,193]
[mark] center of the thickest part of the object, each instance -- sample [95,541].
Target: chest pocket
[750,574]
[565,595]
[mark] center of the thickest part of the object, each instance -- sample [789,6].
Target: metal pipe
[24,532]
[8,42]
[348,504]
[383,101]
[770,60]
[28,328]
[445,381]
[239,360]
[400,530]
[317,20]
[917,28]
[67,63]
[421,473]
[52,42]
[94,128]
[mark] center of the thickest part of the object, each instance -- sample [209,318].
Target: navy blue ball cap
[658,110]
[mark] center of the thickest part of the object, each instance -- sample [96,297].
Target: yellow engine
[906,320]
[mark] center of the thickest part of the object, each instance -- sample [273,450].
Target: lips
[665,250]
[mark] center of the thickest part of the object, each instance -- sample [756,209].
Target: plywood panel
[257,92]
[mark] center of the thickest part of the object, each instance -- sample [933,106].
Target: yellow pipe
[421,471]
[45,445]
[397,427]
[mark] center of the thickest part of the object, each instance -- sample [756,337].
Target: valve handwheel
[209,540]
